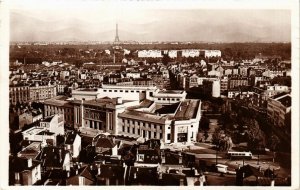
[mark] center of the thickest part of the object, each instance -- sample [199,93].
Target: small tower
[117,40]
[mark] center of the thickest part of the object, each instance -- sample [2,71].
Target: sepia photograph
[133,93]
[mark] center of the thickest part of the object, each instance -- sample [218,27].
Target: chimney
[272,182]
[99,169]
[29,162]
[119,100]
[181,182]
[134,175]
[160,175]
[60,155]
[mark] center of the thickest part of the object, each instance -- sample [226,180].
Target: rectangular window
[133,130]
[154,135]
[132,90]
[160,135]
[149,134]
[110,91]
[121,90]
[115,91]
[139,132]
[123,128]
[104,90]
[159,98]
[128,129]
[126,91]
[169,136]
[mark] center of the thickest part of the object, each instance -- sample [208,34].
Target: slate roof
[52,156]
[111,171]
[105,143]
[70,138]
[17,164]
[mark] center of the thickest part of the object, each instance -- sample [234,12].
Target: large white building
[150,53]
[212,53]
[143,111]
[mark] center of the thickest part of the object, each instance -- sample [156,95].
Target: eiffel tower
[117,40]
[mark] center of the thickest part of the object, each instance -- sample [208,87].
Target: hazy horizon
[98,24]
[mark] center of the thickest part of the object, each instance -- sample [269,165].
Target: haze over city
[98,24]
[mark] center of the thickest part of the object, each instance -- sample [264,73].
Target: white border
[292,5]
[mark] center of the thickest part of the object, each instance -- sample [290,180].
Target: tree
[222,141]
[273,143]
[256,138]
[204,124]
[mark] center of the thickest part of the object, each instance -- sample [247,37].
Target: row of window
[143,133]
[126,91]
[168,99]
[141,124]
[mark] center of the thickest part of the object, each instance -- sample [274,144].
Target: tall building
[117,40]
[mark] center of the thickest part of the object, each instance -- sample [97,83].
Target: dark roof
[143,175]
[17,164]
[167,109]
[251,171]
[111,171]
[279,95]
[45,133]
[173,179]
[286,101]
[86,172]
[70,138]
[52,156]
[105,143]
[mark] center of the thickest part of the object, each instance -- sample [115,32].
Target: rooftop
[187,110]
[143,116]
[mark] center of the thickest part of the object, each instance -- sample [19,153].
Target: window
[121,90]
[169,136]
[128,129]
[155,135]
[123,128]
[133,130]
[126,91]
[115,91]
[110,91]
[177,99]
[149,134]
[160,135]
[169,127]
[159,98]
[160,127]
[164,98]
[139,132]
[132,90]
[173,99]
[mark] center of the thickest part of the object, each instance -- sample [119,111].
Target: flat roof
[34,130]
[170,91]
[187,110]
[143,116]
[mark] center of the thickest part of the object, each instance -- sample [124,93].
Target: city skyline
[142,25]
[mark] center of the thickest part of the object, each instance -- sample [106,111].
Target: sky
[93,21]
